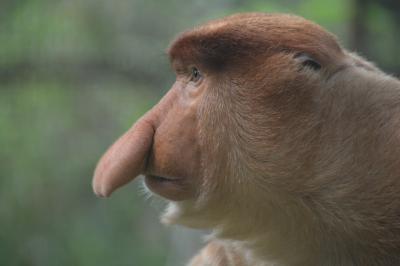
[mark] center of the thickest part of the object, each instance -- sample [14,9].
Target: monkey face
[216,132]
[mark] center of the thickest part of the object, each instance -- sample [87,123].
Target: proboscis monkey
[283,143]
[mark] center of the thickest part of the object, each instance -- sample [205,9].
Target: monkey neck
[298,236]
[285,236]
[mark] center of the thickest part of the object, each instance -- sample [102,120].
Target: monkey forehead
[253,34]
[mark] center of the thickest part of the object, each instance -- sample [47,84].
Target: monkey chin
[188,209]
[178,210]
[186,213]
[183,206]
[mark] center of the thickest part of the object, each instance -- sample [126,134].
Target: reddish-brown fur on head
[276,138]
[238,38]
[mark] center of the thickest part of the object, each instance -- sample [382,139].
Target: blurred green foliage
[74,75]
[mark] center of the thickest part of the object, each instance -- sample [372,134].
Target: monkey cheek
[170,189]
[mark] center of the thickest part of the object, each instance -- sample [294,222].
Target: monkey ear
[307,60]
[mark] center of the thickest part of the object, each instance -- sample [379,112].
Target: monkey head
[267,126]
[228,127]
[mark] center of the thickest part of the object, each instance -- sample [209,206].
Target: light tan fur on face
[287,147]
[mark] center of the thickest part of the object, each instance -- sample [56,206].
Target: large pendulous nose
[125,159]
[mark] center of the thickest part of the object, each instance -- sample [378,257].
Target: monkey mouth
[158,178]
[156,182]
[171,188]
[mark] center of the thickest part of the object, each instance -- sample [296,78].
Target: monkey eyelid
[307,61]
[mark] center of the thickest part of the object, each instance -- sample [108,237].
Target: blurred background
[74,75]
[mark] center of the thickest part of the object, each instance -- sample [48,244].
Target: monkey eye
[195,74]
[307,60]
